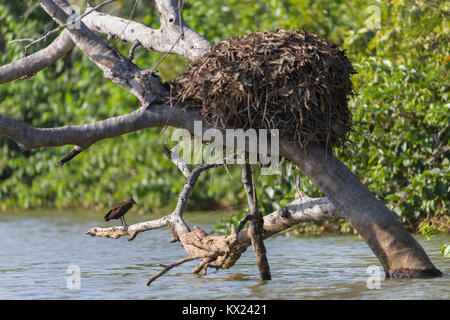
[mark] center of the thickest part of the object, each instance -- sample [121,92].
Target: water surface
[38,247]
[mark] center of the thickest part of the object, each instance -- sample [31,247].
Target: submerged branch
[167,268]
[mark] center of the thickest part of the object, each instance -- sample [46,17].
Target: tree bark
[399,253]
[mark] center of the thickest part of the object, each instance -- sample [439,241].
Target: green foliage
[402,60]
[404,93]
[429,230]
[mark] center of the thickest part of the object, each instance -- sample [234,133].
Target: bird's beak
[135,202]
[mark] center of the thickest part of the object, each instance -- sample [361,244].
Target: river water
[41,253]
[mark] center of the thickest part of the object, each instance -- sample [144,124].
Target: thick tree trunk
[399,253]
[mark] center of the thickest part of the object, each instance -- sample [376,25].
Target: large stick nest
[287,80]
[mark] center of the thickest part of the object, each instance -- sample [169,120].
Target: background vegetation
[400,49]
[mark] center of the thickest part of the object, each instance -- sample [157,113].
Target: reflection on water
[37,248]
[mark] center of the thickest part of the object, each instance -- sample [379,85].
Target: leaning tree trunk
[399,253]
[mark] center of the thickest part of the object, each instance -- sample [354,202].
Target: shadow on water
[39,247]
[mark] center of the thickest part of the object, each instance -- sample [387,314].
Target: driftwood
[398,252]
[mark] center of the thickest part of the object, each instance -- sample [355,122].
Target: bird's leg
[125,226]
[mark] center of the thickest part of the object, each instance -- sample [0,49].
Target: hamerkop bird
[119,210]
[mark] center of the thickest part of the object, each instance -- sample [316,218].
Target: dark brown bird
[119,210]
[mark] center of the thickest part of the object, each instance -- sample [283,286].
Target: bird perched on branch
[119,210]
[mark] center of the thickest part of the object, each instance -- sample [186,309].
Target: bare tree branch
[31,64]
[70,155]
[178,161]
[84,135]
[68,24]
[146,87]
[115,66]
[164,39]
[300,210]
[131,230]
[179,39]
[256,223]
